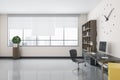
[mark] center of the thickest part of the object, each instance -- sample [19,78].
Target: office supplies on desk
[93,53]
[104,57]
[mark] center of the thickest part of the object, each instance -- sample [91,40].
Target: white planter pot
[15,45]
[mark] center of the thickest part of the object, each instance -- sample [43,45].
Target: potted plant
[16,41]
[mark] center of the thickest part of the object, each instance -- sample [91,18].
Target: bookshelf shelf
[89,34]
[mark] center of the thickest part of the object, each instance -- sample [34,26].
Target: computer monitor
[103,46]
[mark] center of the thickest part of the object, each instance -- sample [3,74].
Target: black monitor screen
[102,46]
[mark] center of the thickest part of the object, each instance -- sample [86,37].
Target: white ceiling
[47,6]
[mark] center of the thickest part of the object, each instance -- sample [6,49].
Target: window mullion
[36,40]
[50,40]
[23,37]
[63,36]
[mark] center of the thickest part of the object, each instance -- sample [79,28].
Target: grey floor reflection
[15,73]
[47,70]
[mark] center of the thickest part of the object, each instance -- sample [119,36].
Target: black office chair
[73,55]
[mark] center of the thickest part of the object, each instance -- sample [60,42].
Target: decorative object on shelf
[91,46]
[16,41]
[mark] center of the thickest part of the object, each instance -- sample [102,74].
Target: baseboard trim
[41,57]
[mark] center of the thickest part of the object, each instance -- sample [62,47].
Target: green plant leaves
[16,40]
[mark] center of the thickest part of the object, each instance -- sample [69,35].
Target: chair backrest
[73,54]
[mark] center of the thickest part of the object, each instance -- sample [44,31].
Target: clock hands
[110,12]
[107,17]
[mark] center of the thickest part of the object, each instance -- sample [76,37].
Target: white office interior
[50,28]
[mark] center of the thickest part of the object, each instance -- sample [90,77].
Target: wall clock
[108,17]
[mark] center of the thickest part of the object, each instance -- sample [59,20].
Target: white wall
[37,51]
[4,50]
[108,31]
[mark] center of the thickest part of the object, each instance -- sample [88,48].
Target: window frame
[36,45]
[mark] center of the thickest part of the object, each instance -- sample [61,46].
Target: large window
[65,30]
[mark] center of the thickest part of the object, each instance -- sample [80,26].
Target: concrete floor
[47,69]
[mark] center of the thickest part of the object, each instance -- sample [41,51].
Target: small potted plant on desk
[16,41]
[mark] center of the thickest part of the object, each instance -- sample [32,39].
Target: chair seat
[79,61]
